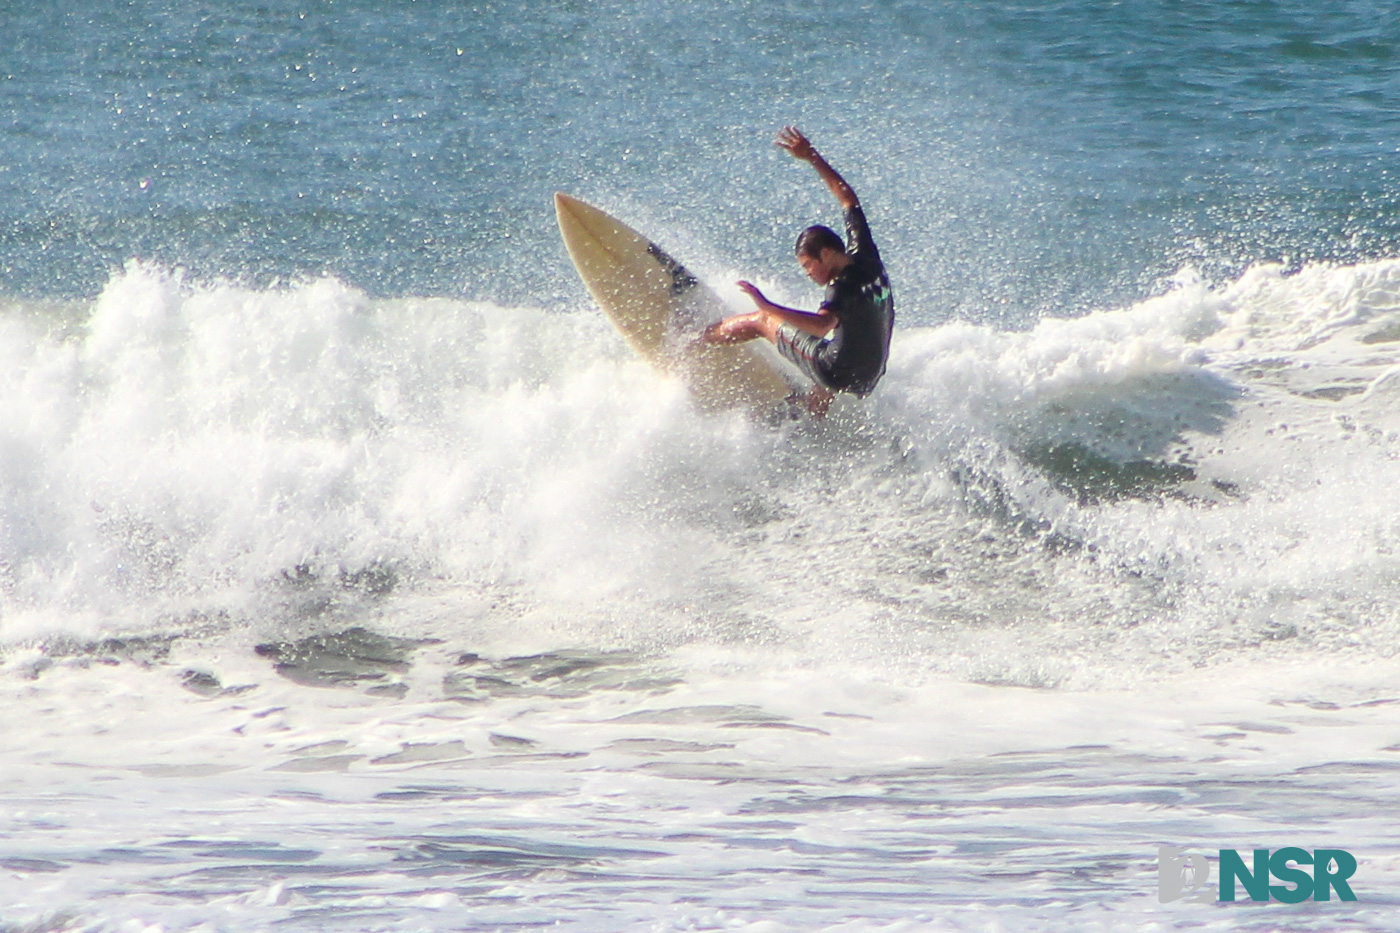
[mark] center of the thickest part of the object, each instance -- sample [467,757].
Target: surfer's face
[823,267]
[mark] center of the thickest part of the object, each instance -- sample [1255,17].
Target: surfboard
[660,308]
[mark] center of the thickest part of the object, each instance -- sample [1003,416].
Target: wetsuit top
[853,357]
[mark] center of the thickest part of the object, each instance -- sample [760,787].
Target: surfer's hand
[791,139]
[750,289]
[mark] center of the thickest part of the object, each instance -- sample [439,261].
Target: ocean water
[355,576]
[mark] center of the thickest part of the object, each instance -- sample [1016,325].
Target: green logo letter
[1232,867]
[1345,863]
[1301,880]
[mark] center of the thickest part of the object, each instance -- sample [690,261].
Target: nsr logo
[1185,875]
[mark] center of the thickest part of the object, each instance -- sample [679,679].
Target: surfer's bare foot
[818,401]
[814,402]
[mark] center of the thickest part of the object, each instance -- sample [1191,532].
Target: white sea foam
[583,635]
[201,452]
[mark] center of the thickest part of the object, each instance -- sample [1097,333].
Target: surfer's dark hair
[814,239]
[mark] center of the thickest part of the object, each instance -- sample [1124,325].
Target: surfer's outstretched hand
[750,289]
[792,139]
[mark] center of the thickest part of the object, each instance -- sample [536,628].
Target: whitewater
[321,609]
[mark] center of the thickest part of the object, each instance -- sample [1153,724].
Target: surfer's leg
[803,350]
[735,329]
[742,327]
[800,349]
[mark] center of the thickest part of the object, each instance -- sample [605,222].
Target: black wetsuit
[852,357]
[863,303]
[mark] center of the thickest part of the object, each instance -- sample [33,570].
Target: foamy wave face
[196,444]
[1206,463]
[1153,485]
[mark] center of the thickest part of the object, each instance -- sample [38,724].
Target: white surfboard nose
[568,207]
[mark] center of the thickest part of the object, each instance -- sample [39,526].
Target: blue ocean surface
[1018,159]
[355,575]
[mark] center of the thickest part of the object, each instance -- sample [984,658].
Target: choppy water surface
[598,792]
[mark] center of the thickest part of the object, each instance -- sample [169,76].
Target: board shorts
[803,350]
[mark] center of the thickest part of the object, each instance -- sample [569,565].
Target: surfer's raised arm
[793,140]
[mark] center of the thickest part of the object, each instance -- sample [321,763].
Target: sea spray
[198,451]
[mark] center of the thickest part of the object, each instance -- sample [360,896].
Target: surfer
[843,345]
